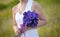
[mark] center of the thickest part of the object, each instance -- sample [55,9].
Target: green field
[51,9]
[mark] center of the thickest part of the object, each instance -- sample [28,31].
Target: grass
[51,9]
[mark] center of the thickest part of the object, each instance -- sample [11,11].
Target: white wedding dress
[19,21]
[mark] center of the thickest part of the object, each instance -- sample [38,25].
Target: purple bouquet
[30,19]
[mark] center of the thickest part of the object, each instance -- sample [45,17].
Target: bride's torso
[19,14]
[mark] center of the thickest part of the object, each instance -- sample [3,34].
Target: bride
[18,11]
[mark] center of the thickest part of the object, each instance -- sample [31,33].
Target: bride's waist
[30,28]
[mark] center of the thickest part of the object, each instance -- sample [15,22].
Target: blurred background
[51,9]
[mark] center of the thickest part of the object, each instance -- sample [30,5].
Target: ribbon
[23,29]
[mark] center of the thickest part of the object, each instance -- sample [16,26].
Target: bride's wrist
[15,28]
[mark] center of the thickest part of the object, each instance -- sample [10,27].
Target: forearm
[41,23]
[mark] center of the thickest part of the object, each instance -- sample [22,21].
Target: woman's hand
[17,31]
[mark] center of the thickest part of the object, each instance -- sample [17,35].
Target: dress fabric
[19,21]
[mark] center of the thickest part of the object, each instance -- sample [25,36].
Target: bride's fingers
[18,32]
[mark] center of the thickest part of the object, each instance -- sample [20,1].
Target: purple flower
[30,18]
